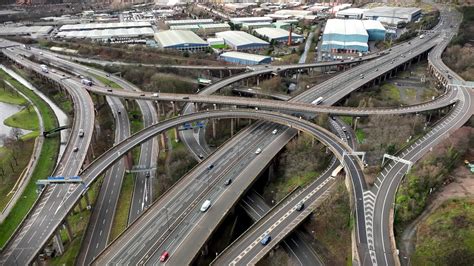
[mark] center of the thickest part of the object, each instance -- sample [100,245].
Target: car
[107,75]
[81,133]
[228,182]
[164,256]
[275,131]
[75,149]
[361,76]
[344,129]
[155,94]
[200,156]
[119,112]
[41,53]
[52,70]
[348,136]
[258,151]
[210,167]
[109,90]
[186,98]
[147,174]
[376,69]
[409,42]
[143,95]
[63,75]
[205,206]
[265,240]
[299,206]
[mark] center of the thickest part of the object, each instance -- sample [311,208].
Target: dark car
[186,98]
[228,182]
[266,240]
[109,90]
[210,167]
[300,206]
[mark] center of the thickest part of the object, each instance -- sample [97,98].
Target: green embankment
[24,119]
[45,166]
[8,95]
[123,207]
[446,237]
[107,81]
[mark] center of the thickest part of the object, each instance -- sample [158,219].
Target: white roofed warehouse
[245,58]
[342,34]
[393,15]
[180,40]
[375,29]
[278,35]
[240,40]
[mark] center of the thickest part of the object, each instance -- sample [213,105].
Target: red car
[164,256]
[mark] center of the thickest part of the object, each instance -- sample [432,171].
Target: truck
[317,101]
[86,82]
[44,68]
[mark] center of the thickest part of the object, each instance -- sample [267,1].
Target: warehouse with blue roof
[245,58]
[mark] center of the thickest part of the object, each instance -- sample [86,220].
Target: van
[205,205]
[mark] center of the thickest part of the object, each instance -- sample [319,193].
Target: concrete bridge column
[196,107]
[58,243]
[232,127]
[173,105]
[214,124]
[220,74]
[67,227]
[176,135]
[127,104]
[258,80]
[128,161]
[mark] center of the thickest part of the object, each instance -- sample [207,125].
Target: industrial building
[34,31]
[255,25]
[180,40]
[343,34]
[278,35]
[393,15]
[294,13]
[239,21]
[189,22]
[217,43]
[375,29]
[245,58]
[107,34]
[351,13]
[193,28]
[211,29]
[103,26]
[240,40]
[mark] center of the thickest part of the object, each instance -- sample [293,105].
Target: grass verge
[24,119]
[106,81]
[123,207]
[10,96]
[45,166]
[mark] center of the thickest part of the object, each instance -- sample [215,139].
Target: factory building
[351,13]
[108,34]
[103,26]
[393,15]
[294,13]
[278,35]
[189,22]
[33,31]
[240,40]
[239,21]
[211,29]
[343,34]
[256,25]
[193,28]
[217,43]
[180,40]
[245,58]
[375,29]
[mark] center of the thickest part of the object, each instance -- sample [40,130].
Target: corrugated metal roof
[351,12]
[184,27]
[245,56]
[363,44]
[396,12]
[276,33]
[23,30]
[214,26]
[91,26]
[372,25]
[345,27]
[178,37]
[107,33]
[239,38]
[189,21]
[250,19]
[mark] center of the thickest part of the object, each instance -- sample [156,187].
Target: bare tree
[16,133]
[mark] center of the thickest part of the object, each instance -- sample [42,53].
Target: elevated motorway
[333,90]
[52,205]
[296,107]
[382,249]
[138,242]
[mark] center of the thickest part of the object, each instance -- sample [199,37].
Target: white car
[275,131]
[258,151]
[205,205]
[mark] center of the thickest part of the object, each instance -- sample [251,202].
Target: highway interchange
[145,241]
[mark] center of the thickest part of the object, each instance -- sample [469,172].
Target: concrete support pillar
[127,104]
[163,141]
[258,80]
[68,230]
[58,243]
[232,127]
[220,74]
[176,135]
[196,107]
[128,161]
